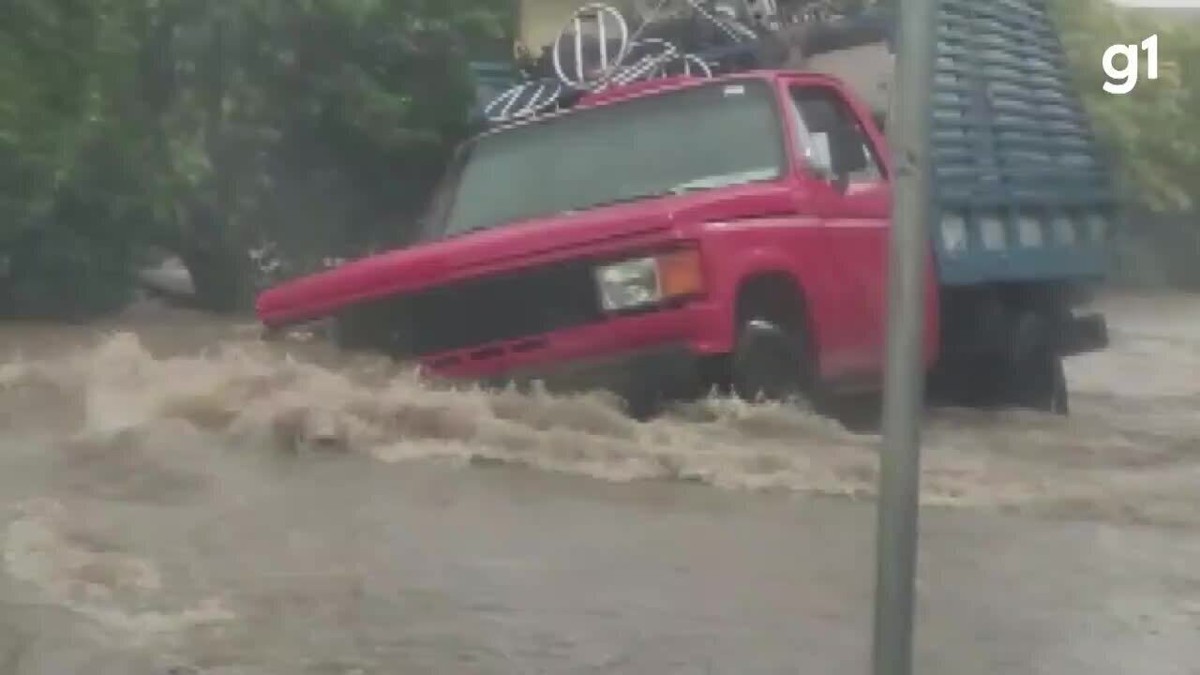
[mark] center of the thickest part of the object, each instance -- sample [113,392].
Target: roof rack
[600,48]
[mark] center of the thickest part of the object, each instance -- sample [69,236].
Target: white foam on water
[1131,445]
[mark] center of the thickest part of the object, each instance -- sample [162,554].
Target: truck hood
[508,247]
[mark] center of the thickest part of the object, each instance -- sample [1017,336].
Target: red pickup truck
[680,234]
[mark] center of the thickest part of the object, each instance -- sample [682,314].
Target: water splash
[1129,448]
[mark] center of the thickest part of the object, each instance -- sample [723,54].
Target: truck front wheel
[770,362]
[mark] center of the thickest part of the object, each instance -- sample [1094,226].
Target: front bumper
[642,378]
[643,358]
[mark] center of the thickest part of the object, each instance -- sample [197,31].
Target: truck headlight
[649,280]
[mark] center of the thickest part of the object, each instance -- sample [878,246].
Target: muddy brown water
[176,496]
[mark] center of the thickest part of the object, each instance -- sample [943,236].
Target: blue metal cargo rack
[1021,189]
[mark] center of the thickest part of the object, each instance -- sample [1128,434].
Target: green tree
[64,192]
[211,128]
[1153,129]
[1153,132]
[311,125]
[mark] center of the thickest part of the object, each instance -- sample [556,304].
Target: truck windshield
[705,137]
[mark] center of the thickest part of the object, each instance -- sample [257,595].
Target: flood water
[177,497]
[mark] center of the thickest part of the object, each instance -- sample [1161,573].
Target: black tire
[1061,404]
[770,362]
[1039,382]
[858,413]
[1035,382]
[643,405]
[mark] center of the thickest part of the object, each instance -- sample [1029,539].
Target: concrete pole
[900,461]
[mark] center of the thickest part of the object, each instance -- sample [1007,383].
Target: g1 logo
[1122,80]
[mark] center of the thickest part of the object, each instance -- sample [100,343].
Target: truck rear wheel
[770,362]
[1038,382]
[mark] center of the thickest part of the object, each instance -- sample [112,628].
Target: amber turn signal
[680,273]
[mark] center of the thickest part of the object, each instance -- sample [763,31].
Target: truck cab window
[822,117]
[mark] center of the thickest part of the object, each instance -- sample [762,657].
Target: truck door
[847,180]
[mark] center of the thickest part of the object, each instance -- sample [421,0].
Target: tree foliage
[1153,133]
[1154,130]
[213,128]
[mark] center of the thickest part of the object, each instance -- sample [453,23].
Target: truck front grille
[494,309]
